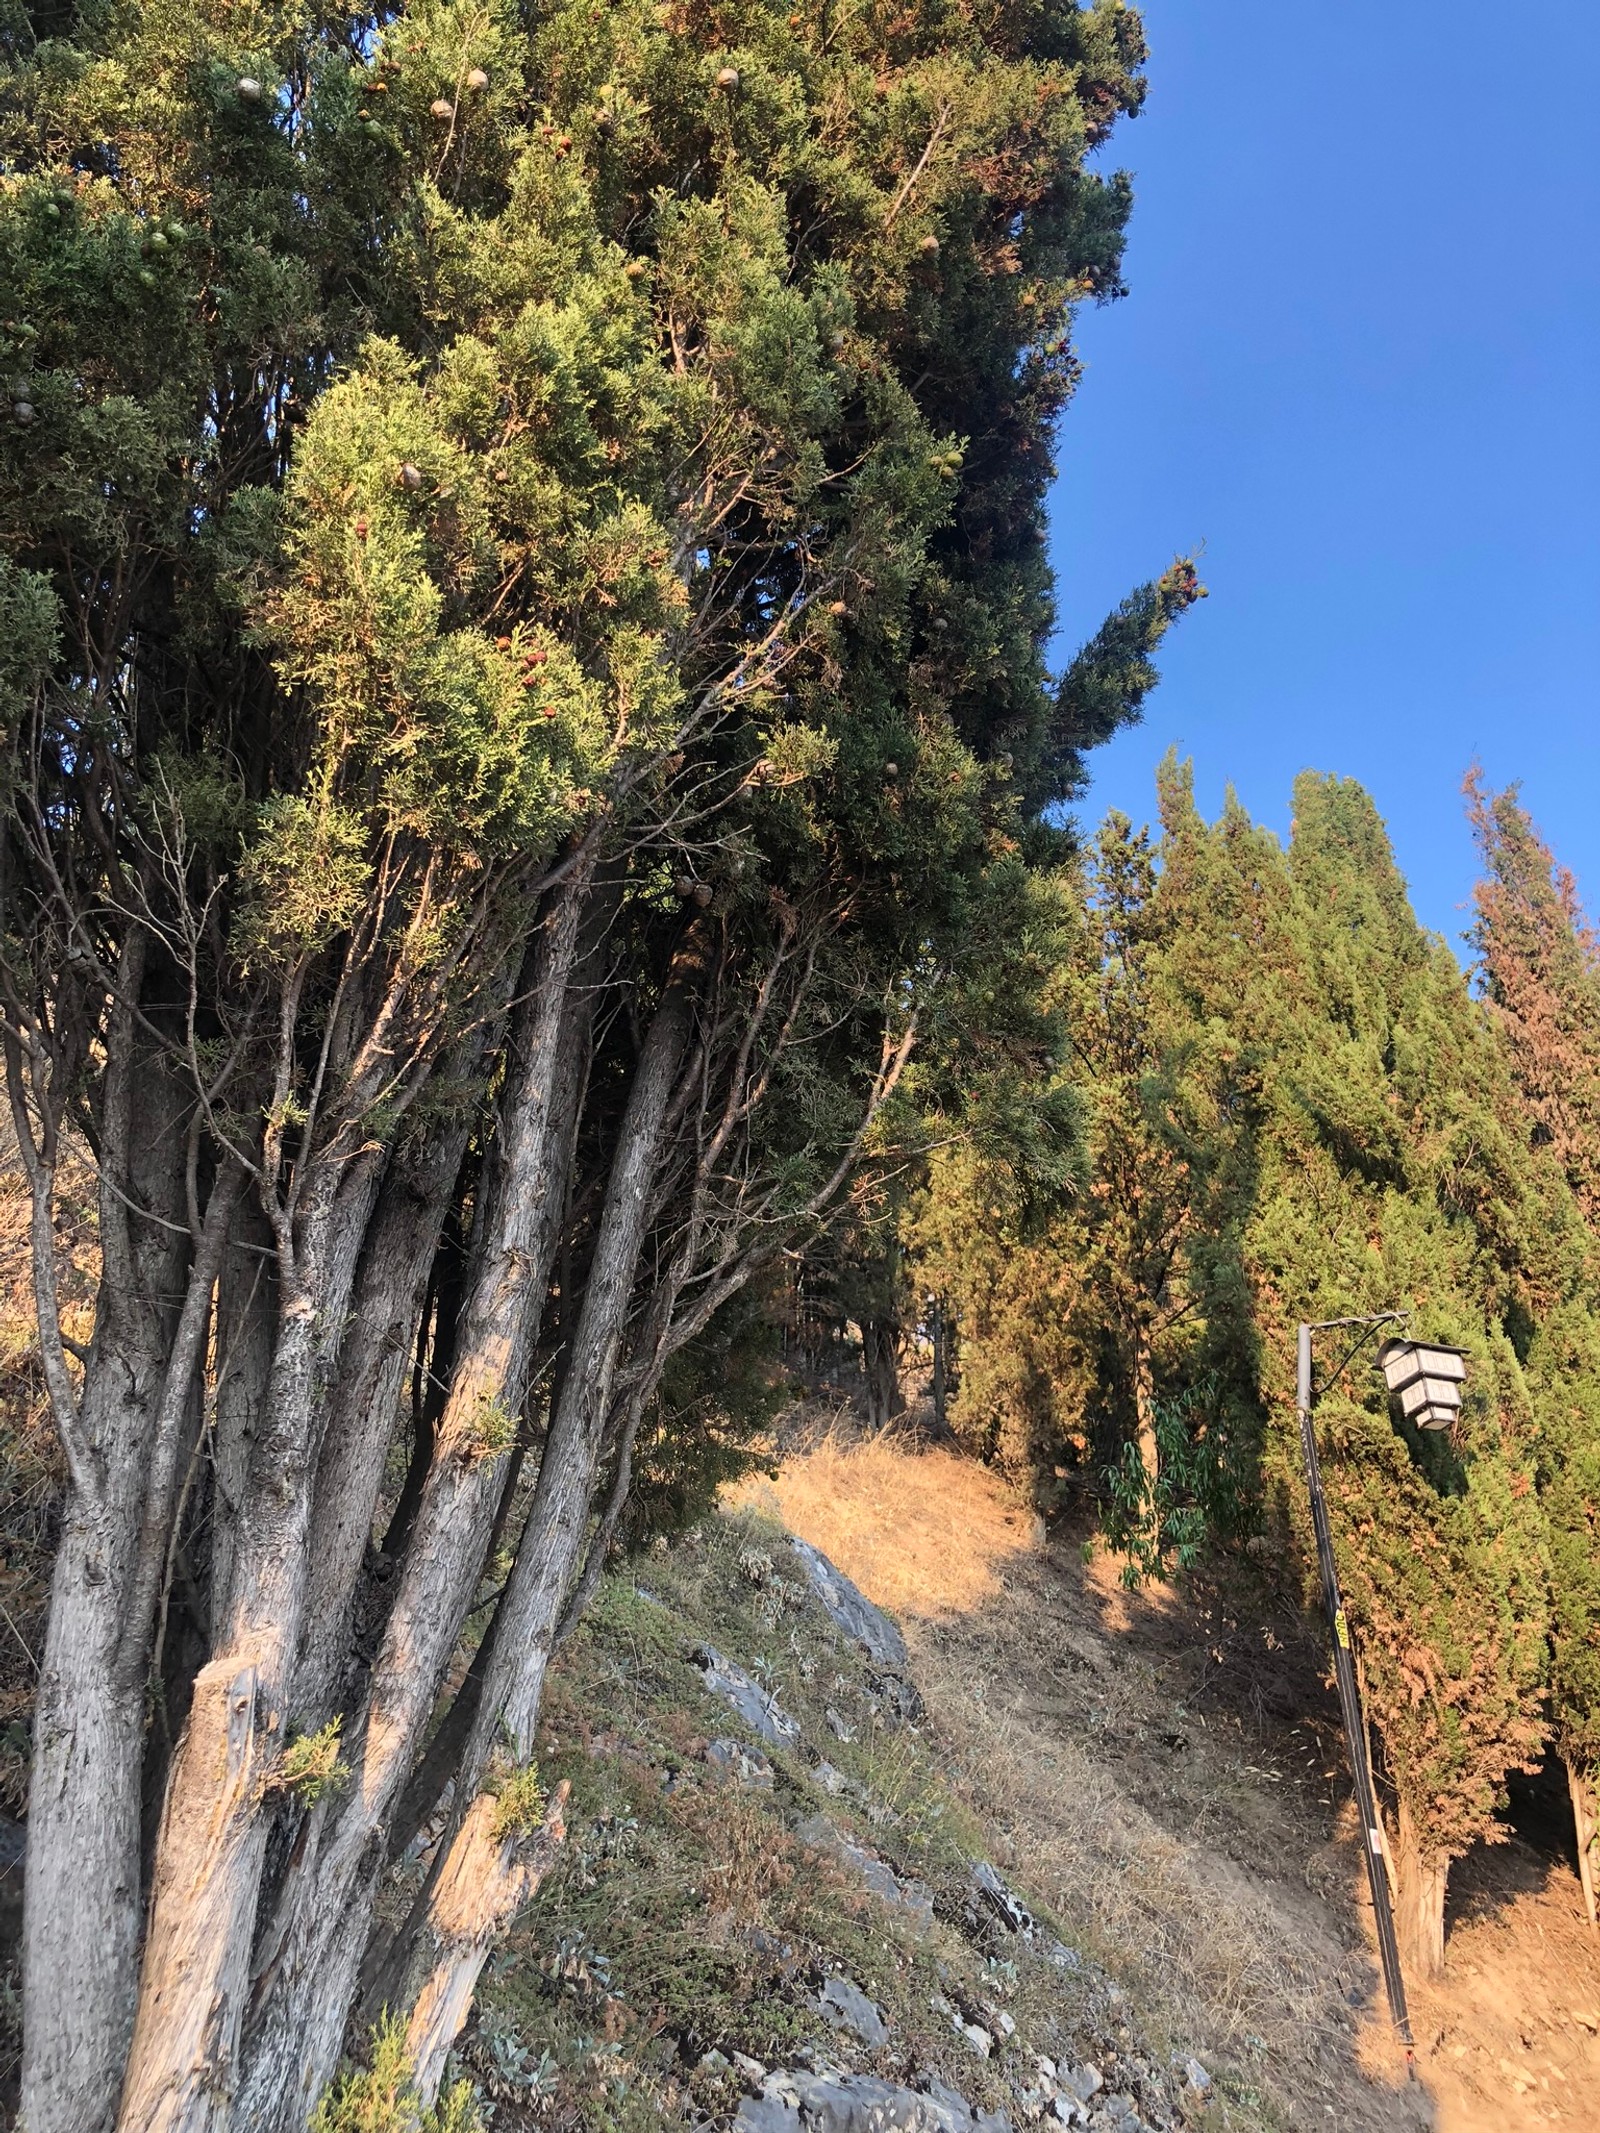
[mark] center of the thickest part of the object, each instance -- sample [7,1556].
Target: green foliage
[312,1766]
[1540,976]
[704,1428]
[1202,1491]
[382,2097]
[520,1802]
[30,626]
[1297,1110]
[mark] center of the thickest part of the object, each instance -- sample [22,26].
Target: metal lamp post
[1427,1382]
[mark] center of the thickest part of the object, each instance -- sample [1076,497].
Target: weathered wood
[390,1283]
[84,1807]
[182,2067]
[491,1874]
[552,1540]
[1423,1878]
[324,1907]
[1581,1791]
[183,2060]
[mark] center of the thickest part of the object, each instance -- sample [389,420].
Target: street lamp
[1428,1384]
[1427,1381]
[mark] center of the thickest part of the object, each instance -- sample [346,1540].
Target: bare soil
[1165,1768]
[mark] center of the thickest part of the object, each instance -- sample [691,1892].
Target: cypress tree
[1290,1088]
[521,563]
[1539,970]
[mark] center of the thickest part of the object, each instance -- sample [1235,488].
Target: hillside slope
[1169,1776]
[773,1909]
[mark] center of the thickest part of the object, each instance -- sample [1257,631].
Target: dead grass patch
[926,1534]
[1058,1713]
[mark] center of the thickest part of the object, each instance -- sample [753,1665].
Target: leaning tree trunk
[480,1878]
[194,1977]
[390,1284]
[82,1888]
[1422,1876]
[316,1937]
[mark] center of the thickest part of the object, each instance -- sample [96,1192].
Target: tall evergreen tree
[1303,1104]
[1539,967]
[521,557]
[1539,963]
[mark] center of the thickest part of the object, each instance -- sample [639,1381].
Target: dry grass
[1054,1695]
[926,1534]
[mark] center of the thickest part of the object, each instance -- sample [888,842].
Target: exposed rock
[825,1836]
[1080,2082]
[896,1695]
[846,2006]
[978,2037]
[1001,1901]
[838,1727]
[758,1707]
[855,2103]
[1197,2077]
[748,1765]
[850,1608]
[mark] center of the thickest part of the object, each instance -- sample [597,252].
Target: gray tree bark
[84,1813]
[479,1881]
[317,1937]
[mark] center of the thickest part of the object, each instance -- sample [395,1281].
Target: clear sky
[1360,364]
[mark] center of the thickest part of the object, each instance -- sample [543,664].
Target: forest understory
[1166,1769]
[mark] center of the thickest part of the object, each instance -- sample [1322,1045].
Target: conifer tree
[1393,1176]
[1323,1121]
[1539,963]
[1540,973]
[520,555]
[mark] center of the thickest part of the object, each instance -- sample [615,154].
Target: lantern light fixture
[1426,1380]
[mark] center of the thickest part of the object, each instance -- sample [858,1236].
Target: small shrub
[311,1766]
[519,1802]
[382,2097]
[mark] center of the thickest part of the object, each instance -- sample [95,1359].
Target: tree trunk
[1581,1789]
[247,1312]
[478,1878]
[319,1929]
[81,1892]
[880,1341]
[1144,1408]
[183,2062]
[1419,1908]
[82,1888]
[941,1397]
[491,1873]
[390,1285]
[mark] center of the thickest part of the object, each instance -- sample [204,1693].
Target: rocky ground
[775,1913]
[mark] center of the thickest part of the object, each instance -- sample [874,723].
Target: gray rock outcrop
[758,1707]
[853,1612]
[798,2102]
[879,1876]
[846,2006]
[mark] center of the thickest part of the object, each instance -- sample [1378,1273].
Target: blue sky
[1360,363]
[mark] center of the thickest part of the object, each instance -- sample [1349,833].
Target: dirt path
[1168,1774]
